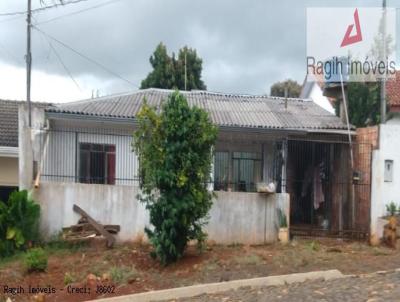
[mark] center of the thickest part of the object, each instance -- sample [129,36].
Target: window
[388,177]
[237,171]
[246,171]
[96,163]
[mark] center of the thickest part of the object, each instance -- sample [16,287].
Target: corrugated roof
[232,110]
[9,123]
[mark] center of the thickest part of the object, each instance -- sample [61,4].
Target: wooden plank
[113,229]
[98,227]
[43,158]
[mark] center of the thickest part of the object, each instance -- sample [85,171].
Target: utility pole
[28,59]
[383,52]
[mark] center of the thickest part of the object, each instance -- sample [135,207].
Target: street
[372,288]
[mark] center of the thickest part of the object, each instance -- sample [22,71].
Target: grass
[19,256]
[378,251]
[248,259]
[122,274]
[69,278]
[313,246]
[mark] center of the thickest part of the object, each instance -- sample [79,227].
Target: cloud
[246,45]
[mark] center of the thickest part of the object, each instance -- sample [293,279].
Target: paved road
[372,288]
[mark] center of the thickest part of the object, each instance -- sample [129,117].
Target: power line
[11,19]
[77,12]
[39,9]
[86,57]
[65,67]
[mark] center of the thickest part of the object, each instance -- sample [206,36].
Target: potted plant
[391,209]
[283,234]
[393,216]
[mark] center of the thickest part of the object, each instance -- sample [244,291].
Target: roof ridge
[197,92]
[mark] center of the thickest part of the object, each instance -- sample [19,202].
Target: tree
[169,72]
[174,151]
[364,97]
[278,89]
[363,103]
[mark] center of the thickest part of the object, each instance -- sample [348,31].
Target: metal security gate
[330,196]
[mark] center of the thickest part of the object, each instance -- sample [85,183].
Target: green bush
[391,209]
[36,260]
[19,223]
[175,153]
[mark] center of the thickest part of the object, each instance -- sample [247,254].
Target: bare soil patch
[128,268]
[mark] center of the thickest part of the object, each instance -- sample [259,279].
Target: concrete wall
[106,204]
[385,192]
[29,143]
[248,218]
[8,171]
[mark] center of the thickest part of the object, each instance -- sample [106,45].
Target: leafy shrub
[36,260]
[174,150]
[19,223]
[391,209]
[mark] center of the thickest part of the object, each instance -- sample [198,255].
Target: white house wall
[318,98]
[383,192]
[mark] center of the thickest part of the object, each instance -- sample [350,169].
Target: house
[313,88]
[81,153]
[8,148]
[386,162]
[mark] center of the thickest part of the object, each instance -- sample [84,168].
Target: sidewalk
[211,288]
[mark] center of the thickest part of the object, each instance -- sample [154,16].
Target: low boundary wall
[235,217]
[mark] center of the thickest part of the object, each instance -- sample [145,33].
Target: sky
[246,45]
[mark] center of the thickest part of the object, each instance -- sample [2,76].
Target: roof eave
[132,121]
[6,151]
[87,117]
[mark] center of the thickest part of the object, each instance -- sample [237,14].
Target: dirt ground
[87,272]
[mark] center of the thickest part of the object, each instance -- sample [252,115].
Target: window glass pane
[221,171]
[97,147]
[246,171]
[84,146]
[84,166]
[110,148]
[97,167]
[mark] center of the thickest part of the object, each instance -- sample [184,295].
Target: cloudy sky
[246,45]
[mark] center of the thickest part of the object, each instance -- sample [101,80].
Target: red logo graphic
[347,40]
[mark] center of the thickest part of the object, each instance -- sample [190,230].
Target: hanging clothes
[314,176]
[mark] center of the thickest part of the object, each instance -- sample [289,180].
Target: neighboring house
[8,148]
[313,89]
[82,153]
[386,162]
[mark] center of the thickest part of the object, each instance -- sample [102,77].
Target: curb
[195,290]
